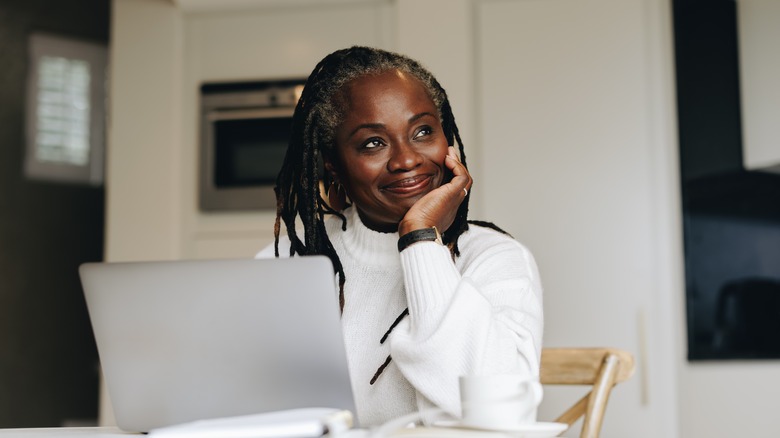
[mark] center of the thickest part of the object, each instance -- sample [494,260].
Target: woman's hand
[439,207]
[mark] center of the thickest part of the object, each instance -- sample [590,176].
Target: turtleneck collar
[362,243]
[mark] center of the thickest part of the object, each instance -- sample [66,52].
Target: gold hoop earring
[337,196]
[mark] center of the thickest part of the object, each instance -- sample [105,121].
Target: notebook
[186,340]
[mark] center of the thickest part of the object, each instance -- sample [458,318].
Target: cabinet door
[759,74]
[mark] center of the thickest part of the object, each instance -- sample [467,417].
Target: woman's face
[390,148]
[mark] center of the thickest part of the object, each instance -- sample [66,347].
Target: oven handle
[243,114]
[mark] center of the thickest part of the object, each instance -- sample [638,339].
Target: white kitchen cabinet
[759,75]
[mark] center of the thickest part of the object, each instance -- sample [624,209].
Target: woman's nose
[404,157]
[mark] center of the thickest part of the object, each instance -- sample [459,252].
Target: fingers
[454,152]
[461,177]
[452,161]
[440,206]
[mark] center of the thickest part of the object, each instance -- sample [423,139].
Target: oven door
[241,153]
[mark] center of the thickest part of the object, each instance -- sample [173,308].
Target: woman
[425,295]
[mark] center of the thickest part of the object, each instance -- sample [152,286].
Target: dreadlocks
[317,115]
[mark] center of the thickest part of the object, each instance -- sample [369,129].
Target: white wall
[729,399]
[143,213]
[568,113]
[575,110]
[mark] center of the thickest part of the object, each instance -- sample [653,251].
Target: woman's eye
[372,143]
[422,132]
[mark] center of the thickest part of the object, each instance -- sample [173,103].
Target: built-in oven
[245,128]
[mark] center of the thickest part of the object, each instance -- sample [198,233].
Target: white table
[68,432]
[113,432]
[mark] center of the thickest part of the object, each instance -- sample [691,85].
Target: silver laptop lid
[186,340]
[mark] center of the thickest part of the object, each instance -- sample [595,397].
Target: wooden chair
[602,368]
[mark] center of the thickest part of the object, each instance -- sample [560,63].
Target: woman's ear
[336,195]
[330,168]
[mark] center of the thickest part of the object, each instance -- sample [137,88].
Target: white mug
[502,401]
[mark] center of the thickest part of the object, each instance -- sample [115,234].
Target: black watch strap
[423,235]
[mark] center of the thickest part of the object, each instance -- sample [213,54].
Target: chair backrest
[601,368]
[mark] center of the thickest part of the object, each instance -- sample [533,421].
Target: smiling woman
[426,295]
[390,148]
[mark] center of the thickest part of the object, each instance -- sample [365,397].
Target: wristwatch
[421,235]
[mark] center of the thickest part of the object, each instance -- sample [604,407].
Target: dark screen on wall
[731,216]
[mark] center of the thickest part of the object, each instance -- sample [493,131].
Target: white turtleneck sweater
[479,314]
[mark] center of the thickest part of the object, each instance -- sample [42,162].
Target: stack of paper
[298,423]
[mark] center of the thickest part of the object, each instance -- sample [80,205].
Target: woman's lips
[408,186]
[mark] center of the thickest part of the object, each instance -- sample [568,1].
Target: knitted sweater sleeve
[481,316]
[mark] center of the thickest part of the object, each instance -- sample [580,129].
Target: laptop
[187,340]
